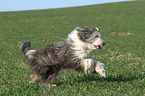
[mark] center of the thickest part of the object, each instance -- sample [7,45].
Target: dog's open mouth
[98,47]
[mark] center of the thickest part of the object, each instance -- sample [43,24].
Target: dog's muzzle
[99,46]
[103,43]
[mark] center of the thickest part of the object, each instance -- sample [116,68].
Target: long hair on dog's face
[85,39]
[92,36]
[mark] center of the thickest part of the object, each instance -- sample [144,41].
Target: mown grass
[122,26]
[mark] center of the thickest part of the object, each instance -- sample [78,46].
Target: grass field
[123,29]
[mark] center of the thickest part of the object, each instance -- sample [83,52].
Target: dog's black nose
[103,43]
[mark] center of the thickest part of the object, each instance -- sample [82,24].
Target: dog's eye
[96,36]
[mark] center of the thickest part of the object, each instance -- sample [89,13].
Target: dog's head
[91,36]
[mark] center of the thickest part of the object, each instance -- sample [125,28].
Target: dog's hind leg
[26,49]
[50,79]
[34,78]
[49,76]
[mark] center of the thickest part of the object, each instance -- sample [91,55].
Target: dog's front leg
[89,66]
[99,68]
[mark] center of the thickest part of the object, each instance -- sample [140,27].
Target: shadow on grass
[90,78]
[119,78]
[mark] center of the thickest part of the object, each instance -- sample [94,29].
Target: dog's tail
[26,49]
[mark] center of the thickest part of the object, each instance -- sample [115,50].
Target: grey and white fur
[75,52]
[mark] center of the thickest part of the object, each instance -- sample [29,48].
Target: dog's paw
[99,68]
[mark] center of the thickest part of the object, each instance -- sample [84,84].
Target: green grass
[123,29]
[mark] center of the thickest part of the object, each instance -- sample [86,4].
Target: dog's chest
[84,54]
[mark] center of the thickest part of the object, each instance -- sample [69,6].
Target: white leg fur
[29,53]
[89,66]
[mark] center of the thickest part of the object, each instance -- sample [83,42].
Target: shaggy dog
[76,52]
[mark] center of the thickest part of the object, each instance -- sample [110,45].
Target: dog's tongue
[98,47]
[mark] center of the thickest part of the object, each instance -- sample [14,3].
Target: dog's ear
[80,29]
[86,31]
[83,33]
[89,29]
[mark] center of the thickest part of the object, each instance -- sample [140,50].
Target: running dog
[75,52]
